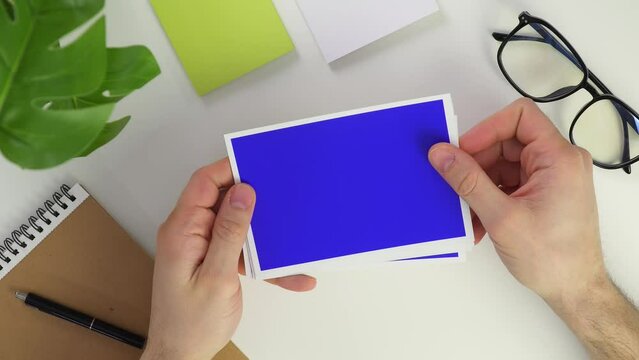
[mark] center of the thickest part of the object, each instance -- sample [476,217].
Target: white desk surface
[459,311]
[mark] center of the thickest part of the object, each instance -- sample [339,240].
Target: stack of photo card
[351,189]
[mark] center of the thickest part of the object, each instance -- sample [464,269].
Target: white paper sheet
[343,26]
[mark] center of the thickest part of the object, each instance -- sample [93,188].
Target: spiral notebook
[71,251]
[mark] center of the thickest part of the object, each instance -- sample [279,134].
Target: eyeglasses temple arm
[546,38]
[626,115]
[628,119]
[552,40]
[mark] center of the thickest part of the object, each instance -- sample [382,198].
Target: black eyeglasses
[542,65]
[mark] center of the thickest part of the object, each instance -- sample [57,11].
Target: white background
[440,311]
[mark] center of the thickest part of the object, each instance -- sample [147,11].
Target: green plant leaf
[128,69]
[55,102]
[109,132]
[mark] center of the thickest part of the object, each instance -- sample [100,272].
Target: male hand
[197,297]
[533,192]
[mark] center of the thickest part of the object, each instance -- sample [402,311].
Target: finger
[468,179]
[505,174]
[229,232]
[509,150]
[217,205]
[183,241]
[478,227]
[297,283]
[509,190]
[203,188]
[521,120]
[183,238]
[178,257]
[479,230]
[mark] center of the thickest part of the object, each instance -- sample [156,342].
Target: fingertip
[304,284]
[296,283]
[440,146]
[245,187]
[441,156]
[242,196]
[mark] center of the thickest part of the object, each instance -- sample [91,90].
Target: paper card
[218,41]
[440,256]
[451,258]
[343,26]
[353,187]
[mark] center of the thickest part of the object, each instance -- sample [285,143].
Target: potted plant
[56,98]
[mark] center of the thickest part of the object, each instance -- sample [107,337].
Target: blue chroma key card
[350,187]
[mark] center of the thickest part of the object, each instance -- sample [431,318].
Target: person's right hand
[533,192]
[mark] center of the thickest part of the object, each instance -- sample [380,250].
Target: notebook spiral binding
[13,245]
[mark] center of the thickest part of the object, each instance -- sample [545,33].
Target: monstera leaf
[56,100]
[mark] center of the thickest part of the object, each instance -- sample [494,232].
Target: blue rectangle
[440,256]
[349,185]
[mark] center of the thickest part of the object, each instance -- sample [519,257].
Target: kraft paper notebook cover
[82,259]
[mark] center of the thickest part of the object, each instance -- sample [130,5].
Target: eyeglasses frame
[525,19]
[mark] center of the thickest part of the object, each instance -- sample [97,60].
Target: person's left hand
[197,297]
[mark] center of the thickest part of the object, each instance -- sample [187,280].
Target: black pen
[78,318]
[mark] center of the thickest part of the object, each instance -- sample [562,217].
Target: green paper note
[218,41]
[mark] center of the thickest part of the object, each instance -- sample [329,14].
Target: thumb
[229,231]
[470,181]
